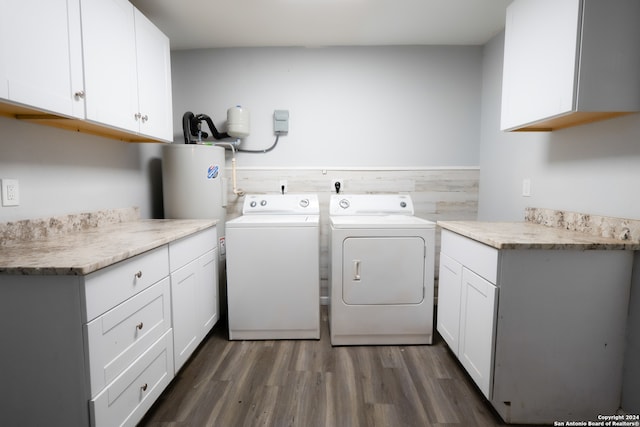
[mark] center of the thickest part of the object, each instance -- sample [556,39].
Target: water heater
[192,182]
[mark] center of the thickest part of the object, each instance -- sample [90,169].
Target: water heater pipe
[236,191]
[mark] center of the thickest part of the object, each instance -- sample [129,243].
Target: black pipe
[214,131]
[186,127]
[192,127]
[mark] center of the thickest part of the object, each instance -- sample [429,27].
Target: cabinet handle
[138,274]
[79,94]
[356,269]
[137,116]
[139,326]
[144,387]
[145,118]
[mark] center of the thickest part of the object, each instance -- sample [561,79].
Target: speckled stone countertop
[524,235]
[83,250]
[553,229]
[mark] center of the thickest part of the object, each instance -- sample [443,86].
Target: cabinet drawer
[126,400]
[476,256]
[122,334]
[185,250]
[108,287]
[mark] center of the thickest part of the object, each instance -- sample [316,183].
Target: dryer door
[383,270]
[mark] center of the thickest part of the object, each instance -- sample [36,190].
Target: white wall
[61,172]
[351,106]
[363,107]
[593,168]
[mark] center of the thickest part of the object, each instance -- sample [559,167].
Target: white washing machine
[381,271]
[273,268]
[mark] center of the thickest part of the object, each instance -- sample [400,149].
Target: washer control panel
[281,204]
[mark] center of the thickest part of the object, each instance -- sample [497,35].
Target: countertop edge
[175,230]
[501,235]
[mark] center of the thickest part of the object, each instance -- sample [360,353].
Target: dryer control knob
[403,204]
[253,204]
[304,203]
[344,203]
[263,203]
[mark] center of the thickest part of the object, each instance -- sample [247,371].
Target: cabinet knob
[137,116]
[139,326]
[145,118]
[144,387]
[79,94]
[138,274]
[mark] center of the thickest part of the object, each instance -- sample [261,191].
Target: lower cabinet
[131,394]
[194,291]
[467,305]
[98,350]
[541,332]
[477,328]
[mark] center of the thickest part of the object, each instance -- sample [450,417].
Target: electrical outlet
[10,192]
[526,187]
[222,244]
[283,186]
[337,185]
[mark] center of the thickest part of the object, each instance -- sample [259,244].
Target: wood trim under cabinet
[76,125]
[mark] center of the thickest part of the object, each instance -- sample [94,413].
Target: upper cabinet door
[154,79]
[108,36]
[569,62]
[540,60]
[41,55]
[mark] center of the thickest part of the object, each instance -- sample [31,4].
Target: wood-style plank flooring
[310,383]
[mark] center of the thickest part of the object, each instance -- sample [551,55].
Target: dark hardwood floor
[310,383]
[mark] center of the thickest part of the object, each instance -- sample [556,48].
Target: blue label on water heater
[212,172]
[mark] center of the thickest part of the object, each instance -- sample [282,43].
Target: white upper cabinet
[569,62]
[108,36]
[97,66]
[127,69]
[154,79]
[41,55]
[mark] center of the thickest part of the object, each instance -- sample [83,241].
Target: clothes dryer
[273,263]
[381,271]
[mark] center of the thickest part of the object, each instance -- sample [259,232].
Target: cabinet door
[109,49]
[184,303]
[154,79]
[208,291]
[477,329]
[449,286]
[540,60]
[41,55]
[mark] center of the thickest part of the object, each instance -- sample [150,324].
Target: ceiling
[193,24]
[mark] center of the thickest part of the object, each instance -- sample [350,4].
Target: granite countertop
[528,235]
[90,249]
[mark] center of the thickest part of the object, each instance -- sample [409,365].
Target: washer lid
[380,221]
[246,221]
